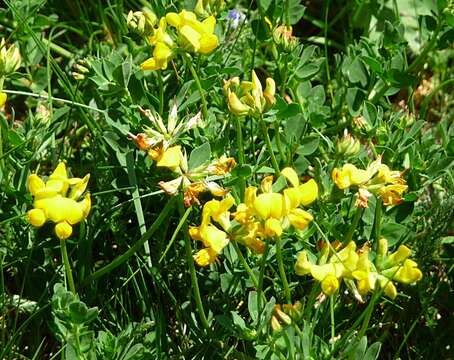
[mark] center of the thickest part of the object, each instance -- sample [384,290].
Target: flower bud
[9,59]
[142,22]
[63,230]
[347,146]
[275,325]
[282,315]
[270,91]
[282,36]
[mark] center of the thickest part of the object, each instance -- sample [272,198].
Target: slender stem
[198,84]
[161,93]
[333,329]
[190,260]
[353,226]
[47,97]
[377,219]
[278,142]
[69,275]
[261,276]
[245,264]
[280,264]
[268,145]
[239,144]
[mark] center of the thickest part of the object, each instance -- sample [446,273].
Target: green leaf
[307,71]
[393,232]
[265,4]
[309,145]
[199,155]
[252,305]
[356,72]
[354,100]
[78,312]
[373,352]
[295,11]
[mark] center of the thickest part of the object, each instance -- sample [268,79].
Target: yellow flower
[3,98]
[59,200]
[171,158]
[340,265]
[349,175]
[248,97]
[377,179]
[214,239]
[197,36]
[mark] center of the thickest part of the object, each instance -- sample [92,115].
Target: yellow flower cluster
[352,265]
[59,200]
[260,216]
[248,97]
[190,35]
[377,179]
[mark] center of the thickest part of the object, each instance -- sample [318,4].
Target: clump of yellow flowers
[377,179]
[60,200]
[174,32]
[259,217]
[349,264]
[248,97]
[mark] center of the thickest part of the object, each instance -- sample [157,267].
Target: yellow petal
[214,238]
[291,175]
[208,24]
[171,157]
[398,256]
[269,205]
[270,91]
[208,43]
[3,98]
[309,192]
[173,19]
[205,257]
[78,189]
[36,217]
[273,228]
[161,52]
[340,178]
[330,284]
[63,230]
[236,106]
[300,218]
[191,36]
[302,265]
[150,64]
[35,184]
[59,172]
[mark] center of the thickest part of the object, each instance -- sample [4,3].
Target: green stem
[190,260]
[164,214]
[198,84]
[278,142]
[245,264]
[353,226]
[268,145]
[377,219]
[239,144]
[333,328]
[280,264]
[261,276]
[69,275]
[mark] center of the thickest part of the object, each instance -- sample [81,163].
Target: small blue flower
[234,17]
